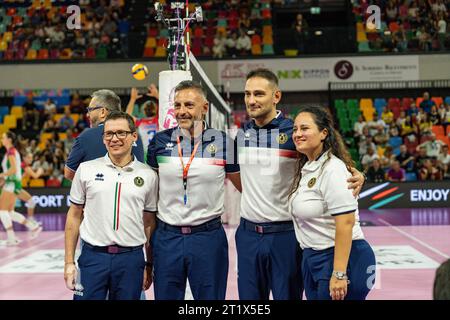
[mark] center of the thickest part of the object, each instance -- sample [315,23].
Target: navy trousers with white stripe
[201,257]
[118,276]
[317,268]
[268,262]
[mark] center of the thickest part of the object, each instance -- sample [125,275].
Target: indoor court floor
[409,244]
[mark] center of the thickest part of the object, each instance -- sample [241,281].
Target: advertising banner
[314,74]
[431,194]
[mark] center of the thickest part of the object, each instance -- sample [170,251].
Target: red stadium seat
[406,103]
[438,101]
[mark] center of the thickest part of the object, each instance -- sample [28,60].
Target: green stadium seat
[364,46]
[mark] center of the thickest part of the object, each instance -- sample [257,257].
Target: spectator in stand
[432,147]
[244,43]
[244,21]
[442,111]
[230,44]
[300,33]
[426,103]
[425,125]
[408,128]
[366,145]
[66,122]
[412,110]
[421,157]
[31,115]
[42,163]
[381,138]
[446,118]
[387,158]
[444,161]
[396,173]
[424,39]
[50,106]
[368,158]
[391,11]
[359,126]
[375,172]
[76,104]
[375,123]
[387,116]
[430,172]
[50,126]
[405,159]
[441,27]
[434,116]
[403,10]
[69,141]
[219,46]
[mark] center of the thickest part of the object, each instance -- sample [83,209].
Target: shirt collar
[314,165]
[129,167]
[180,133]
[275,123]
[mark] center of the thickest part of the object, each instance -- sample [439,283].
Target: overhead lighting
[318,33]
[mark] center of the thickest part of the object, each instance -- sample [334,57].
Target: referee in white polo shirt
[337,262]
[119,197]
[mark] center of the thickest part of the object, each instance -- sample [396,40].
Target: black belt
[113,249]
[209,225]
[267,227]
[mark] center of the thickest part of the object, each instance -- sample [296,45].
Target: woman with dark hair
[11,177]
[337,262]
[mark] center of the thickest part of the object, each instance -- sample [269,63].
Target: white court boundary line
[406,234]
[30,249]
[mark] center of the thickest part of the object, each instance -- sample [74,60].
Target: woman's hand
[338,288]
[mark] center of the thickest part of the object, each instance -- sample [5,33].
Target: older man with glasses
[89,144]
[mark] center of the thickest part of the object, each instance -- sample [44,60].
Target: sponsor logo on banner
[314,74]
[343,69]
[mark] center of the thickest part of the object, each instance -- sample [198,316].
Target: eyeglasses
[90,109]
[120,134]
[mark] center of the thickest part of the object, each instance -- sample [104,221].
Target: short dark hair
[265,74]
[190,84]
[108,99]
[11,135]
[115,115]
[441,287]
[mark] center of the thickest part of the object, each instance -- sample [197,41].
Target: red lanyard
[186,168]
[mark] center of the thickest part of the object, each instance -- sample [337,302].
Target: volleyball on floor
[139,71]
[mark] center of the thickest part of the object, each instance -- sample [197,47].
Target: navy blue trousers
[118,276]
[317,268]
[268,261]
[200,257]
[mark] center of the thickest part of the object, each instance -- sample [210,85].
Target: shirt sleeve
[76,155]
[138,150]
[151,200]
[151,154]
[338,198]
[78,188]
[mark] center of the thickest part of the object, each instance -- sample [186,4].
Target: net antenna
[178,46]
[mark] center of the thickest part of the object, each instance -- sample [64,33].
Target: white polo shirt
[114,200]
[314,204]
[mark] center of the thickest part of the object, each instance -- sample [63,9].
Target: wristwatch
[340,275]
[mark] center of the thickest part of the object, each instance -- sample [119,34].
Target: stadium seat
[43,54]
[411,176]
[267,30]
[418,101]
[150,43]
[160,52]
[256,49]
[10,121]
[149,52]
[268,49]
[447,100]
[37,183]
[267,39]
[7,36]
[438,130]
[17,111]
[361,36]
[66,183]
[25,182]
[62,136]
[438,101]
[75,117]
[256,39]
[53,182]
[406,103]
[364,46]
